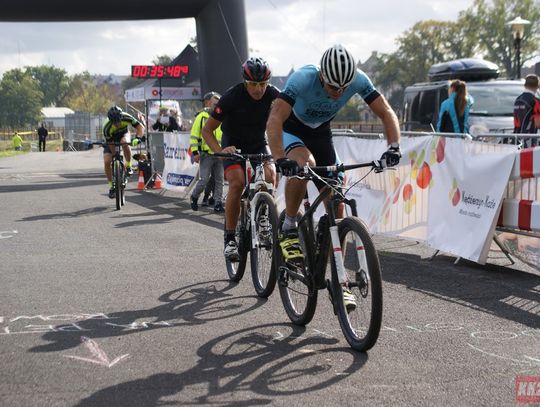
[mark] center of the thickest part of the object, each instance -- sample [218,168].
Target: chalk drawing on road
[6,234]
[100,357]
[526,361]
[495,335]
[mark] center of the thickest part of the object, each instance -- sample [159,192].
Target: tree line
[479,31]
[23,92]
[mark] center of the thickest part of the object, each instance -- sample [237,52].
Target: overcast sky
[288,33]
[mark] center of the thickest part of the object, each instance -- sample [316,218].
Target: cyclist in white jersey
[299,130]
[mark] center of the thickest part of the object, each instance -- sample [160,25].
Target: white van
[153,107]
[493,108]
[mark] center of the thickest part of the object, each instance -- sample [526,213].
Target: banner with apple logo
[445,191]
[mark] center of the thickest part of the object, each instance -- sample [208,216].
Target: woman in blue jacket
[454,112]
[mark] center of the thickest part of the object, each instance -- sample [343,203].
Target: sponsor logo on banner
[179,172]
[528,389]
[179,180]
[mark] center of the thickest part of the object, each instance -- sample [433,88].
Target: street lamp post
[518,28]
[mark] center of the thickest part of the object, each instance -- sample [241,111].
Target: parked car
[492,111]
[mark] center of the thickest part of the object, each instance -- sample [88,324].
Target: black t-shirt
[243,119]
[526,109]
[42,132]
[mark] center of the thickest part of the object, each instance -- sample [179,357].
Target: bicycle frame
[327,228]
[254,185]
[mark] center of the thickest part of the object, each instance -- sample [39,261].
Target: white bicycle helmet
[338,67]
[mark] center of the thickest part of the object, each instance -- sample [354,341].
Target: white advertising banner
[466,196]
[182,93]
[446,191]
[180,171]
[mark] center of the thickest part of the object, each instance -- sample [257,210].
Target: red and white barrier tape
[520,214]
[527,164]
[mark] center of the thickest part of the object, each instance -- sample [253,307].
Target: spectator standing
[527,111]
[165,121]
[175,121]
[454,111]
[17,142]
[210,166]
[42,136]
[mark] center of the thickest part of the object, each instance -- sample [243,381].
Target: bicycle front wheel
[298,294]
[263,257]
[123,187]
[117,180]
[360,313]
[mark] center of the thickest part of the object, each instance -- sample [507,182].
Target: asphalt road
[100,307]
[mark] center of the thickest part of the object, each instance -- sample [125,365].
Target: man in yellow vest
[17,142]
[210,166]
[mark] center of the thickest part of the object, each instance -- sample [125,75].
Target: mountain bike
[119,174]
[256,230]
[347,245]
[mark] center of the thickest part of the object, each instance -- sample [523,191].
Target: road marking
[101,357]
[6,234]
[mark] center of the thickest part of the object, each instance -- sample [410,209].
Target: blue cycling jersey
[311,104]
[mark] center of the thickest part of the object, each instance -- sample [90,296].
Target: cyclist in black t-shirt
[242,112]
[527,110]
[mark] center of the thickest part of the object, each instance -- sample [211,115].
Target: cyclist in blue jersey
[115,130]
[299,130]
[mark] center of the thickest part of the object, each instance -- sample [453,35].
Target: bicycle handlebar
[377,165]
[117,143]
[245,157]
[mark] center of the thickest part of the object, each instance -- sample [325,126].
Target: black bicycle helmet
[256,69]
[114,114]
[338,67]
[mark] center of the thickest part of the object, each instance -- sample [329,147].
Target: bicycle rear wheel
[263,257]
[117,180]
[361,325]
[236,269]
[299,297]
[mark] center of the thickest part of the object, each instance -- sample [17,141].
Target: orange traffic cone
[140,183]
[157,182]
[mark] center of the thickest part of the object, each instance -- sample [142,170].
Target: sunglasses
[254,84]
[336,88]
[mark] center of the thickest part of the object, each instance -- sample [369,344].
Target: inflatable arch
[221,26]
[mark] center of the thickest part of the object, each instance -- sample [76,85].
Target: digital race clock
[158,71]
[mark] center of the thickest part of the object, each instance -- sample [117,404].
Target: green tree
[20,99]
[349,112]
[53,83]
[162,60]
[487,22]
[86,96]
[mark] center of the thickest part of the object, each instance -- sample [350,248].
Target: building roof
[55,112]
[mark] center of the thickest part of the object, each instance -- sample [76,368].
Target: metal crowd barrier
[521,205]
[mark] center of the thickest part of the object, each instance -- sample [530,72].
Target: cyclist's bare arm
[208,129]
[140,130]
[387,115]
[280,111]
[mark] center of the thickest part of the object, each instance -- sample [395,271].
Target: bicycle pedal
[283,278]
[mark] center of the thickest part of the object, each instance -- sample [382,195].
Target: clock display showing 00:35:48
[159,71]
